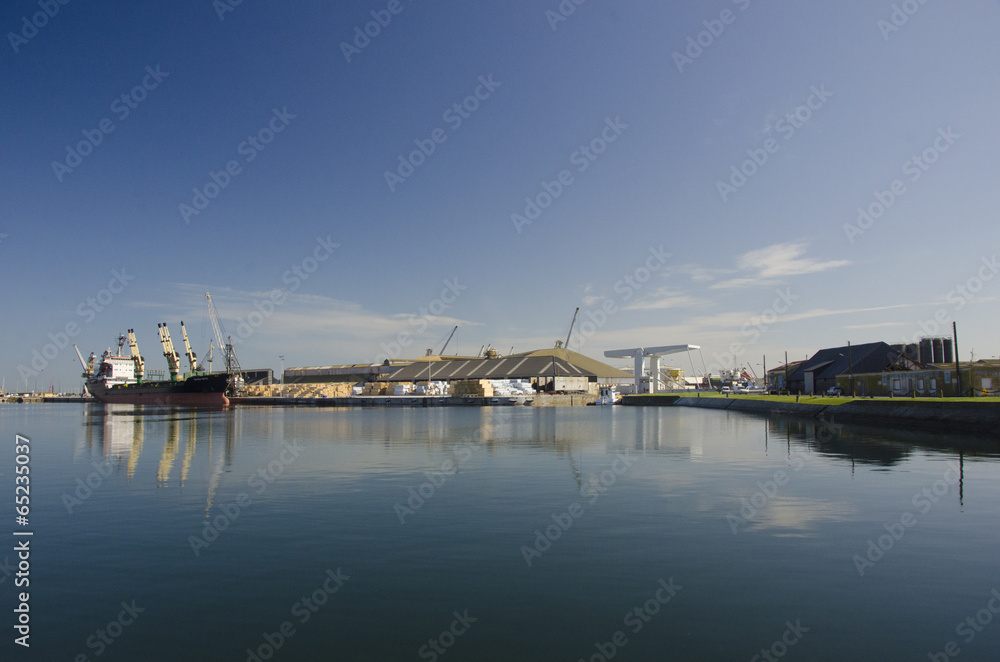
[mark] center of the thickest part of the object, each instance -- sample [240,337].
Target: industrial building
[821,372]
[973,378]
[556,369]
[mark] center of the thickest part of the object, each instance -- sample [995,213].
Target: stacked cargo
[511,387]
[334,390]
[480,388]
[377,388]
[431,388]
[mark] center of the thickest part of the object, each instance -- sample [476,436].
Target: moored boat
[118,378]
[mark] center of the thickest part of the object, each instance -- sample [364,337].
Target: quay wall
[958,416]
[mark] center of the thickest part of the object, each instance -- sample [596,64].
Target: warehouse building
[822,370]
[558,369]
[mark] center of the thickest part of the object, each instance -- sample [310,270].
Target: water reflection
[665,510]
[117,432]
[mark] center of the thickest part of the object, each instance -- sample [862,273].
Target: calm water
[499,534]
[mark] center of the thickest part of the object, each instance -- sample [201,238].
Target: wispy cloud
[772,263]
[877,325]
[664,298]
[698,273]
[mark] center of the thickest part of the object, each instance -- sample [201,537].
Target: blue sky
[626,133]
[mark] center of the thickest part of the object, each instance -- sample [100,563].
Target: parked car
[835,390]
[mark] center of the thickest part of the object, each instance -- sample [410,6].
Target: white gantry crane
[654,354]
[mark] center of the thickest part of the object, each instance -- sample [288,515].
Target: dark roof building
[820,372]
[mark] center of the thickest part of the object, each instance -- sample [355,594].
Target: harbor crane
[445,346]
[226,345]
[571,325]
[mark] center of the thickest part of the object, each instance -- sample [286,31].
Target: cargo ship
[119,378]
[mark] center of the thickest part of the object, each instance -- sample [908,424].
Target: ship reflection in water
[544,525]
[116,432]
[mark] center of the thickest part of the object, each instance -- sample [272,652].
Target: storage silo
[926,351]
[937,344]
[949,350]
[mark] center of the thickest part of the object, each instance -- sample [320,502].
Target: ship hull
[196,391]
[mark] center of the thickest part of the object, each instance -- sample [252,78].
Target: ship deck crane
[173,358]
[133,346]
[88,370]
[192,359]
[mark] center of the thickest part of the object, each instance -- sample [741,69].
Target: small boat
[607,396]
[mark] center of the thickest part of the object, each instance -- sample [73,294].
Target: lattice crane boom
[225,341]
